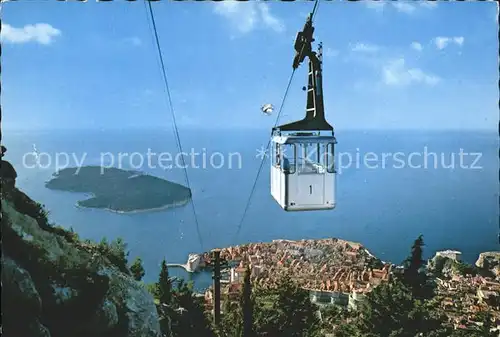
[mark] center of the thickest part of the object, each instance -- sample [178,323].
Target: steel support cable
[252,191]
[164,73]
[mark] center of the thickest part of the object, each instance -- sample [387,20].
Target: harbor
[193,264]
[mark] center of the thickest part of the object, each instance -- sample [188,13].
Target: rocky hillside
[56,285]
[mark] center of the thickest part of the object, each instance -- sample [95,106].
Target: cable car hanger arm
[315,113]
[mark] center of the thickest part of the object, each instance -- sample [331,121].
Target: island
[118,190]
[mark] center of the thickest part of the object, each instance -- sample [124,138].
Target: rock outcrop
[8,174]
[442,265]
[447,264]
[55,285]
[490,261]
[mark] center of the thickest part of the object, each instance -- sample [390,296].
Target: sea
[392,186]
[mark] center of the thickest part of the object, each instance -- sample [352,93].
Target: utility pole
[217,264]
[216,278]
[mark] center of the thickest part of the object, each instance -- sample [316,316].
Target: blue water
[385,208]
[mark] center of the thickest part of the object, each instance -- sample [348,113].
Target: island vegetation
[120,190]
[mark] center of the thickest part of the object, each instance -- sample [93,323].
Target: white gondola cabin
[303,172]
[303,167]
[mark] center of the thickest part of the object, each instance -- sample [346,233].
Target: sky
[386,65]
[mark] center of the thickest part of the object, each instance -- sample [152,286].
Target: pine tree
[413,276]
[231,319]
[137,269]
[400,308]
[247,306]
[188,318]
[384,309]
[163,290]
[164,285]
[287,312]
[391,310]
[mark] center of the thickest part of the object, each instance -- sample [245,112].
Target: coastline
[145,210]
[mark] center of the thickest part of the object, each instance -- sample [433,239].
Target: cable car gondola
[267,109]
[302,167]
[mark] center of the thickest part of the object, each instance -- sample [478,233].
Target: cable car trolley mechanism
[302,167]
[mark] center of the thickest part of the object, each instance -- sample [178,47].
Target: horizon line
[235,128]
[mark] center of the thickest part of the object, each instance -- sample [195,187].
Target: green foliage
[67,271]
[162,293]
[414,276]
[402,307]
[76,269]
[238,316]
[181,313]
[332,315]
[24,205]
[438,265]
[188,317]
[152,288]
[465,269]
[115,252]
[286,311]
[232,320]
[382,310]
[374,263]
[486,318]
[137,269]
[164,285]
[42,214]
[391,310]
[69,235]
